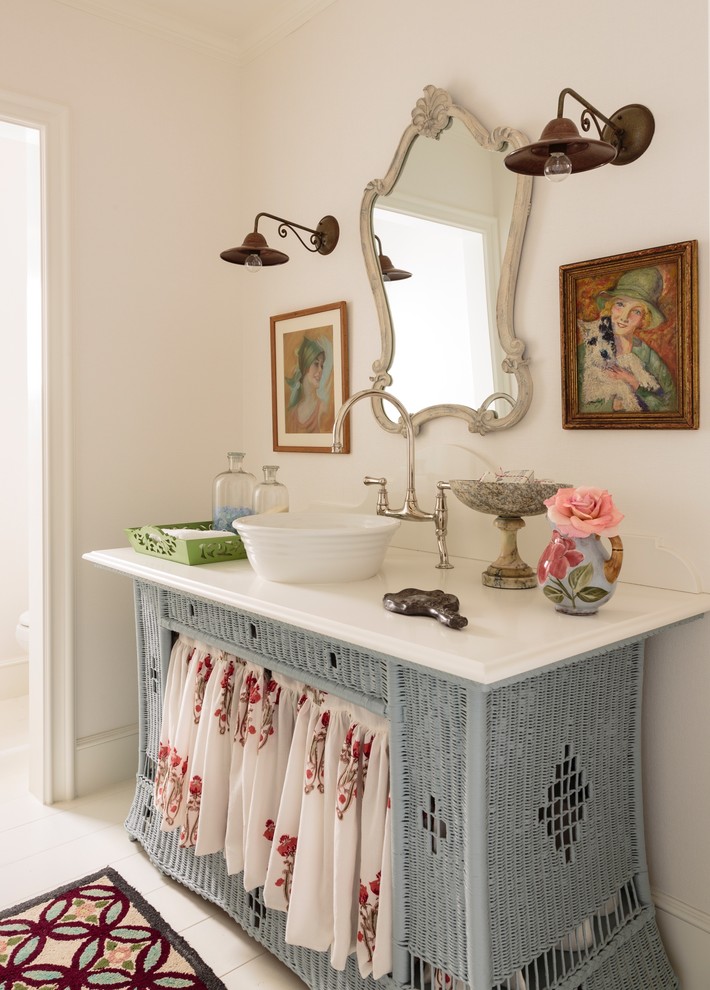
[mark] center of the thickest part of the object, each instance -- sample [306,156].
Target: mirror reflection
[453,216]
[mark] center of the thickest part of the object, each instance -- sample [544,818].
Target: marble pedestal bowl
[508,502]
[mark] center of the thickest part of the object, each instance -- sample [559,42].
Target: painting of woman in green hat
[618,370]
[310,401]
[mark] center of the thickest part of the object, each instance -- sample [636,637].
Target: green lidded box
[191,550]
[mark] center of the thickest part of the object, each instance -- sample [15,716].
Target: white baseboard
[106,758]
[14,678]
[685,931]
[682,911]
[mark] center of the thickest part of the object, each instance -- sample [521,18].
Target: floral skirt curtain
[292,784]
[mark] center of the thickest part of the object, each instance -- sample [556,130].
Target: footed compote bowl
[508,502]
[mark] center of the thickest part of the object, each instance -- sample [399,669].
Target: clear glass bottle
[232,494]
[270,495]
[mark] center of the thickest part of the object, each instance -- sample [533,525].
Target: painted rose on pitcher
[575,571]
[559,557]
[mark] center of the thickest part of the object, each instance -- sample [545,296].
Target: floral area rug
[95,932]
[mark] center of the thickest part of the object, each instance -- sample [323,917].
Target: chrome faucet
[410,509]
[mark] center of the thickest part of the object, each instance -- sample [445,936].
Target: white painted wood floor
[43,847]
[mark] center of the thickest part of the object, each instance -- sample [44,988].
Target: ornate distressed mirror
[451,218]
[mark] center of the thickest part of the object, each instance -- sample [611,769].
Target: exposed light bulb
[253,263]
[557,167]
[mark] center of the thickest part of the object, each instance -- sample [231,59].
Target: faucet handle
[382,498]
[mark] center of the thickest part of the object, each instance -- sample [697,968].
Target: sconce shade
[389,272]
[254,243]
[561,135]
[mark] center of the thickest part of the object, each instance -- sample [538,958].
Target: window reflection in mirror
[444,315]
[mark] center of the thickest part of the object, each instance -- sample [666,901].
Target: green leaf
[39,974]
[553,594]
[108,979]
[580,576]
[113,913]
[592,594]
[130,934]
[89,953]
[13,927]
[78,929]
[153,957]
[27,950]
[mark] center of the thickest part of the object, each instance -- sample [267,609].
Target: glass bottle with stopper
[270,495]
[232,494]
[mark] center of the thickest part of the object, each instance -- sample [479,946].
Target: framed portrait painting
[309,377]
[630,340]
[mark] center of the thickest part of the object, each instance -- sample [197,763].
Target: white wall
[154,186]
[340,110]
[340,94]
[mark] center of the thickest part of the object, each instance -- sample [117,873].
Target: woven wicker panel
[316,658]
[562,801]
[639,964]
[430,818]
[151,666]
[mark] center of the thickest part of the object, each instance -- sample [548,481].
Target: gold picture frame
[630,340]
[309,377]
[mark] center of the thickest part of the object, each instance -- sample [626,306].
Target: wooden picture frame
[309,377]
[630,340]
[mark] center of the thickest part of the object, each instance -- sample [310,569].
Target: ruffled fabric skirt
[292,784]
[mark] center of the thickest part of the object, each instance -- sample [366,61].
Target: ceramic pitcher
[579,575]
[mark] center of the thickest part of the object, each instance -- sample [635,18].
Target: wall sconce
[562,150]
[389,272]
[254,253]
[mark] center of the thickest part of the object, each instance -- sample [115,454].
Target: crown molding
[254,42]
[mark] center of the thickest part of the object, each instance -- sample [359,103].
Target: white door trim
[51,549]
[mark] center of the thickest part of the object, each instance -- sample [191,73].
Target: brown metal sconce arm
[323,239]
[589,111]
[286,225]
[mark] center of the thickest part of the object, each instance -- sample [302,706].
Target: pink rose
[579,512]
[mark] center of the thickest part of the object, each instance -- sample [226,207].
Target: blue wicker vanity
[517,832]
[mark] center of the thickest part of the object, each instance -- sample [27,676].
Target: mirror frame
[431,115]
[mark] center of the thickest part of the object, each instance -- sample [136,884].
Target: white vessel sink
[315,547]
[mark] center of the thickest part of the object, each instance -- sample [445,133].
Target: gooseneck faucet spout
[410,509]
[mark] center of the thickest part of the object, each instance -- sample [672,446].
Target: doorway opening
[42,128]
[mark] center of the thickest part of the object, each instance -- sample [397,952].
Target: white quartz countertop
[508,632]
